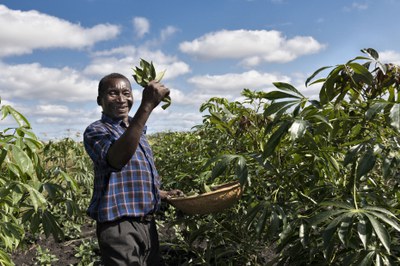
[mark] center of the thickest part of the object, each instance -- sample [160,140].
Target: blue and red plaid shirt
[131,191]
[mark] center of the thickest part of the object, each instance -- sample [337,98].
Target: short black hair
[106,79]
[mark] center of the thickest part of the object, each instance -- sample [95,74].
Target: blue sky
[53,53]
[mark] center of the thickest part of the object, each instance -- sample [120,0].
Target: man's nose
[121,98]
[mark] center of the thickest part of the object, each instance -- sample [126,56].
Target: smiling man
[126,191]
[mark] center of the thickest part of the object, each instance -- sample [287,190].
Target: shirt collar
[108,119]
[118,122]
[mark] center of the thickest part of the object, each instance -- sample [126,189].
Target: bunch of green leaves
[146,73]
[44,257]
[86,253]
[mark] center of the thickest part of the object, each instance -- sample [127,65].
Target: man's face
[117,99]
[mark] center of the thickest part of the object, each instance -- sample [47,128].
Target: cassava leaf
[344,231]
[366,163]
[324,216]
[395,116]
[362,231]
[277,106]
[386,219]
[275,139]
[367,77]
[262,221]
[51,226]
[371,52]
[148,73]
[316,73]
[297,129]
[287,87]
[380,231]
[273,95]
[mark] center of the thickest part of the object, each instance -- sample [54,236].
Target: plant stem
[355,186]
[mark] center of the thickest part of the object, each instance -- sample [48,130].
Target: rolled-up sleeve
[97,141]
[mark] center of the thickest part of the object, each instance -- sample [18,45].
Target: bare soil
[64,251]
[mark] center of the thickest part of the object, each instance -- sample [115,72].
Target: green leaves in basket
[196,192]
[146,73]
[191,193]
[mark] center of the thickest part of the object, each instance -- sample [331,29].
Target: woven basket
[222,197]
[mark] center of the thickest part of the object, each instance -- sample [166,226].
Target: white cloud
[230,85]
[252,46]
[167,32]
[356,6]
[232,81]
[35,82]
[53,109]
[50,120]
[390,56]
[24,31]
[59,126]
[178,96]
[127,50]
[173,121]
[141,26]
[360,6]
[123,59]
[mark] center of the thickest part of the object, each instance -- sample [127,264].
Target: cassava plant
[325,187]
[32,195]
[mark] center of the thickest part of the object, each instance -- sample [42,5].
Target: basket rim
[224,187]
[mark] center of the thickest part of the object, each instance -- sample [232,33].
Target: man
[127,185]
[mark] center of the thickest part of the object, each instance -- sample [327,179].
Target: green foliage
[41,184]
[333,160]
[320,175]
[5,259]
[44,257]
[187,160]
[85,252]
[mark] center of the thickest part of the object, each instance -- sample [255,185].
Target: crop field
[320,179]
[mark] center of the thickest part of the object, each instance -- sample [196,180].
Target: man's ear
[98,100]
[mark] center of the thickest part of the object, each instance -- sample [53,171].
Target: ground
[64,251]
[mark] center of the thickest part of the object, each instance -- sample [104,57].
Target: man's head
[115,96]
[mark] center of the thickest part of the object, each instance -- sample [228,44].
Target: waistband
[141,219]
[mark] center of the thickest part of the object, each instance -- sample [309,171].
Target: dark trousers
[129,241]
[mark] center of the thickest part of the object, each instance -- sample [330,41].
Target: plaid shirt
[131,191]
